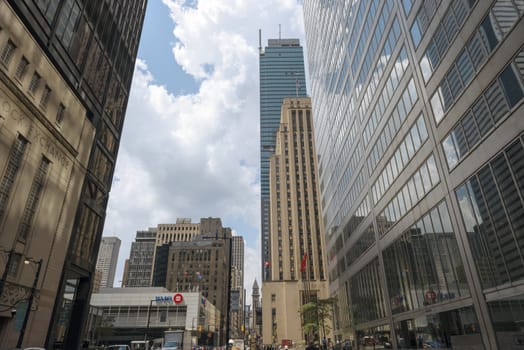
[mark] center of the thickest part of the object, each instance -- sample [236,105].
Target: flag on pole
[303,263]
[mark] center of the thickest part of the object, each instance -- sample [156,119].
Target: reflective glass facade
[281,75]
[419,120]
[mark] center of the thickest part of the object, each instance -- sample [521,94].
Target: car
[33,348]
[171,345]
[118,347]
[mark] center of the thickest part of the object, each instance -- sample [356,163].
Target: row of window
[407,148]
[350,168]
[444,35]
[346,136]
[13,165]
[349,201]
[469,61]
[366,295]
[407,5]
[486,112]
[492,207]
[373,48]
[349,229]
[423,266]
[357,26]
[440,330]
[393,124]
[386,95]
[22,68]
[33,199]
[361,245]
[423,18]
[419,184]
[376,77]
[14,162]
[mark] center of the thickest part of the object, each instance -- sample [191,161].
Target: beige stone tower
[297,266]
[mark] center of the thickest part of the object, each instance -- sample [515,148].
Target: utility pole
[31,298]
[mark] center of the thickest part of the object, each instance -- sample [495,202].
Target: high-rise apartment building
[281,75]
[237,288]
[107,260]
[419,122]
[203,265]
[297,269]
[65,74]
[237,263]
[140,263]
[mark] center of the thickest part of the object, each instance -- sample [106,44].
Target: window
[33,199]
[22,68]
[14,264]
[492,211]
[407,4]
[7,52]
[13,164]
[511,86]
[35,81]
[45,97]
[60,113]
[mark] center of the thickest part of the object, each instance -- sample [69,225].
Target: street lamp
[28,261]
[148,318]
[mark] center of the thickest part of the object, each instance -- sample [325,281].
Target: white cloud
[197,155]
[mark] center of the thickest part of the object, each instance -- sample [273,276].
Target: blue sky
[190,142]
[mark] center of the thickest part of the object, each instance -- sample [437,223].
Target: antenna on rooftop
[279,33]
[260,41]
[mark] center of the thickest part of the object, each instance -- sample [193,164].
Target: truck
[236,344]
[173,340]
[140,345]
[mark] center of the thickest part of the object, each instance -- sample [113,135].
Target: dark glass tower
[281,75]
[419,120]
[93,45]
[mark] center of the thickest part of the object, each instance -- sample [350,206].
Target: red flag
[303,263]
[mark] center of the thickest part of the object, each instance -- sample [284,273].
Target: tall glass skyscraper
[419,122]
[281,75]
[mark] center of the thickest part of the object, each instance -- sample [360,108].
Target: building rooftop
[283,42]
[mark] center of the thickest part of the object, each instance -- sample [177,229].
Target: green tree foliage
[314,317]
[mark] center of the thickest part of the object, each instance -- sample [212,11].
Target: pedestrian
[420,342]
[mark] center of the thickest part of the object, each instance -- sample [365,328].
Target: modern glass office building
[419,119]
[281,75]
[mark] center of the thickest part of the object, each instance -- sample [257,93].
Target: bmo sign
[177,298]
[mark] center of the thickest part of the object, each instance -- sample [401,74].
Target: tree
[315,315]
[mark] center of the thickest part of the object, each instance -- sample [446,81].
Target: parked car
[171,345]
[118,347]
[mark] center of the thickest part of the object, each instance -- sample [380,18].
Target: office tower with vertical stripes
[107,260]
[281,75]
[297,269]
